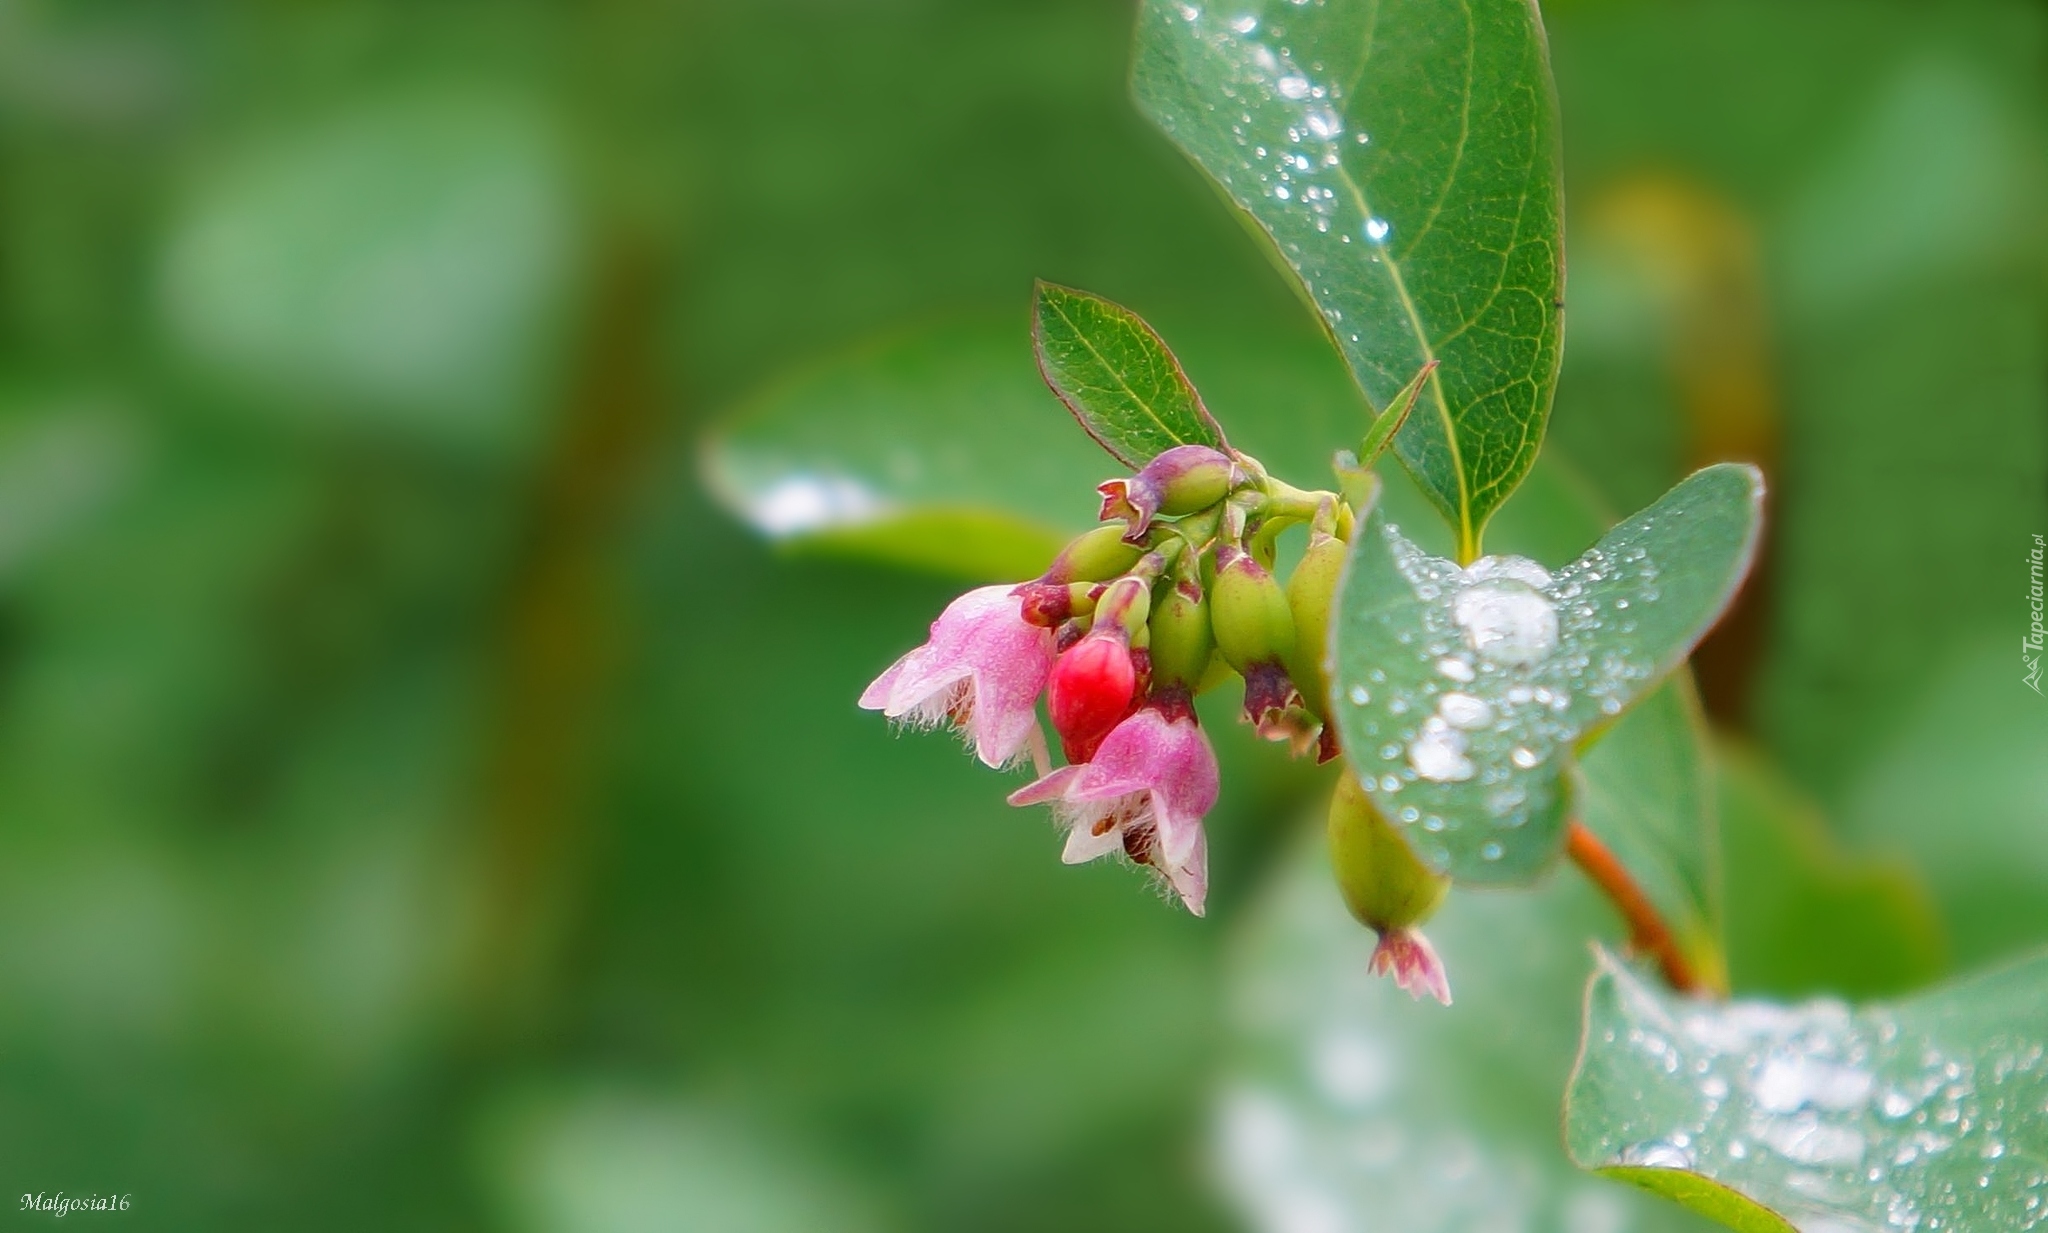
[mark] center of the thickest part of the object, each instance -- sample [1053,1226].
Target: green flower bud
[1255,632]
[1182,642]
[1126,603]
[1098,556]
[1182,480]
[1384,884]
[1249,611]
[1309,593]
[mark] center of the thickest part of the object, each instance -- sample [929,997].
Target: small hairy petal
[1145,791]
[981,672]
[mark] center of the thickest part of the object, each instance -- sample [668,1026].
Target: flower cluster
[1130,623]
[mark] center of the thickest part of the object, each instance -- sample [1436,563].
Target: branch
[1647,930]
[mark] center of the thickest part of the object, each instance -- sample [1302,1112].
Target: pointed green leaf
[1461,695]
[1925,1114]
[1402,156]
[1113,372]
[1346,1104]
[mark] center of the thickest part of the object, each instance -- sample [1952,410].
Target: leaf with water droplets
[1345,1104]
[1462,695]
[1924,1114]
[1402,157]
[1116,376]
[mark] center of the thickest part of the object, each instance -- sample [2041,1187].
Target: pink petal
[1049,788]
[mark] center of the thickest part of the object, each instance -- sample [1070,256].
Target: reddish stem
[1647,930]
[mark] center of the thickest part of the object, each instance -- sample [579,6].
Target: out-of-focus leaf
[1461,693]
[1117,376]
[57,465]
[1962,788]
[1348,1105]
[611,1161]
[408,262]
[1646,789]
[1805,916]
[1921,1115]
[1401,154]
[940,446]
[1926,293]
[942,450]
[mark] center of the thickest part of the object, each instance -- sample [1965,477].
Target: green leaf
[1113,372]
[1806,916]
[931,449]
[407,263]
[1402,157]
[1646,790]
[1461,695]
[1346,1104]
[1924,1114]
[940,449]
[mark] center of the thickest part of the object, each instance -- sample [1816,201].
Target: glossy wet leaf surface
[1924,1114]
[1461,694]
[1117,376]
[1401,155]
[941,448]
[1347,1105]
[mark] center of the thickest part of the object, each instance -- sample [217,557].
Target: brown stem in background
[555,663]
[1647,930]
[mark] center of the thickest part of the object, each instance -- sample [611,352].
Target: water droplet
[1455,668]
[1438,753]
[1245,24]
[1293,87]
[1506,619]
[1464,711]
[1359,695]
[1376,230]
[1490,852]
[1524,757]
[1657,1156]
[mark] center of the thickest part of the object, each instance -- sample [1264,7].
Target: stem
[1647,930]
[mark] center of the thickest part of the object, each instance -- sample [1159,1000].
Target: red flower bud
[1090,691]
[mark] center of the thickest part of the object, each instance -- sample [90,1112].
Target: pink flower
[1408,957]
[1144,792]
[981,673]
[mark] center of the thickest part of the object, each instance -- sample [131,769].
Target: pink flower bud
[1143,794]
[980,674]
[1179,481]
[1090,690]
[1407,956]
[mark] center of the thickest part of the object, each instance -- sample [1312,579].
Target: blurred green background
[423,806]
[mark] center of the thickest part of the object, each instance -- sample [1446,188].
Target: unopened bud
[1249,610]
[1182,480]
[1090,690]
[1383,882]
[1309,592]
[1125,604]
[1255,632]
[1182,642]
[1097,556]
[1046,604]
